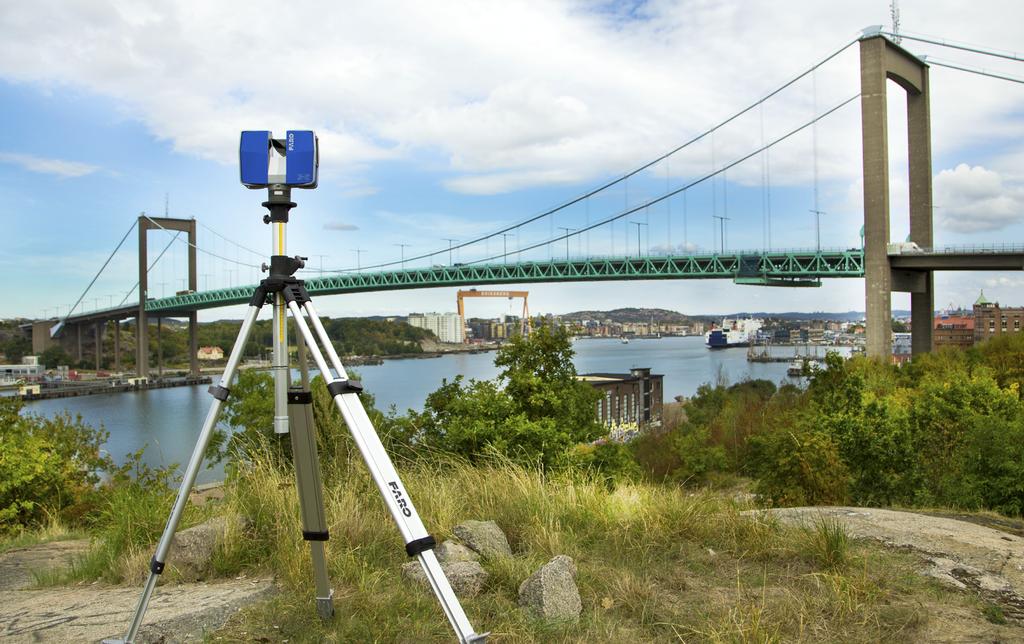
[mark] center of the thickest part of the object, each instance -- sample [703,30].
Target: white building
[29,369]
[444,325]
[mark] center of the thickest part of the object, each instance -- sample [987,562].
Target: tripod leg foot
[325,606]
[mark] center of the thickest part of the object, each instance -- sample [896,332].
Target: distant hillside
[630,315]
[666,316]
[847,316]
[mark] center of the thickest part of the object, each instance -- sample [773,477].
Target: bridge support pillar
[146,224]
[159,348]
[78,330]
[882,60]
[193,344]
[117,345]
[98,336]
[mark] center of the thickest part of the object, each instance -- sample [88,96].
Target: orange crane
[524,323]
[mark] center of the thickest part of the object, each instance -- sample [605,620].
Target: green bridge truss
[770,268]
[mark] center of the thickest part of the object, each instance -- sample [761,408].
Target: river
[167,421]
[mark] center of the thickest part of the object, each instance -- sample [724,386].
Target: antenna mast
[894,13]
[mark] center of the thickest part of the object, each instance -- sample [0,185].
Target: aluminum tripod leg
[220,394]
[307,477]
[418,542]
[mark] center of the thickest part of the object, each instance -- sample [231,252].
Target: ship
[733,333]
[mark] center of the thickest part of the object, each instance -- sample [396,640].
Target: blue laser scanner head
[265,161]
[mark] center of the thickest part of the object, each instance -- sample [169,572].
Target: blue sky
[453,121]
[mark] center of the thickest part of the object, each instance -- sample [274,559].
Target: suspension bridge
[604,235]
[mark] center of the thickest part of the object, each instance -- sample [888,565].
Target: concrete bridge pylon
[187,226]
[880,61]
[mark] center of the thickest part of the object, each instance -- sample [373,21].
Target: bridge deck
[774,268]
[796,267]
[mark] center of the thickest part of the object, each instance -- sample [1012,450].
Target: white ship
[733,333]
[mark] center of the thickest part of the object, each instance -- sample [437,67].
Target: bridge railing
[961,249]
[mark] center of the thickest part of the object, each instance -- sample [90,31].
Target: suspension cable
[942,42]
[150,267]
[625,176]
[686,187]
[979,71]
[231,241]
[97,276]
[201,250]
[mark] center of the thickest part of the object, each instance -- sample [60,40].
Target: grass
[124,529]
[655,563]
[53,530]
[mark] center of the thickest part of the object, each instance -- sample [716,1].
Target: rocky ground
[91,612]
[978,559]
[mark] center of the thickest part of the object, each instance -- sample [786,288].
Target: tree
[540,378]
[535,412]
[55,356]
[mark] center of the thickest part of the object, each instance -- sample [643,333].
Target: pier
[47,391]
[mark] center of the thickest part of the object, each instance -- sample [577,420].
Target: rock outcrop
[483,537]
[466,577]
[551,592]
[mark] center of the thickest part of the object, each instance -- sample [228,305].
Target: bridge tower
[880,60]
[142,323]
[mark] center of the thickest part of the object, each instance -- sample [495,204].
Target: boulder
[192,549]
[551,592]
[450,551]
[466,577]
[484,537]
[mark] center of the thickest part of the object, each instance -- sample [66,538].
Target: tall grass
[655,563]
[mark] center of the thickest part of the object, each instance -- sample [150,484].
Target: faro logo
[291,141]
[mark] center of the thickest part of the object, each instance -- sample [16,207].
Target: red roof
[954,322]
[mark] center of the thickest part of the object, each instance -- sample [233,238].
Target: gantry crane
[524,323]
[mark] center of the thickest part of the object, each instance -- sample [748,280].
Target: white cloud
[339,225]
[58,167]
[974,199]
[508,95]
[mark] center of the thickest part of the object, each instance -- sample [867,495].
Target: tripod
[293,411]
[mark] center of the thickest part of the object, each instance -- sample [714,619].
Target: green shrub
[47,466]
[797,467]
[608,460]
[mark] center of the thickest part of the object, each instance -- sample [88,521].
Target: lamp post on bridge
[817,227]
[359,254]
[450,241]
[504,246]
[638,224]
[721,235]
[403,247]
[567,231]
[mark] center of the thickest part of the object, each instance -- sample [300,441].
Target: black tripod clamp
[279,202]
[281,278]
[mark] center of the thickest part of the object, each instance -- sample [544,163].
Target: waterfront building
[446,326]
[954,329]
[29,369]
[630,402]
[990,319]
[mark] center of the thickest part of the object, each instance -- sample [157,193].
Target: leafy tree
[535,412]
[16,347]
[55,356]
[47,465]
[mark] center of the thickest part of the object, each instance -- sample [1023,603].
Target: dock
[764,353]
[48,391]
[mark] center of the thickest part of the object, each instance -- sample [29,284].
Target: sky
[450,120]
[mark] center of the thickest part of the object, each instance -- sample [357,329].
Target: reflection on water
[168,421]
